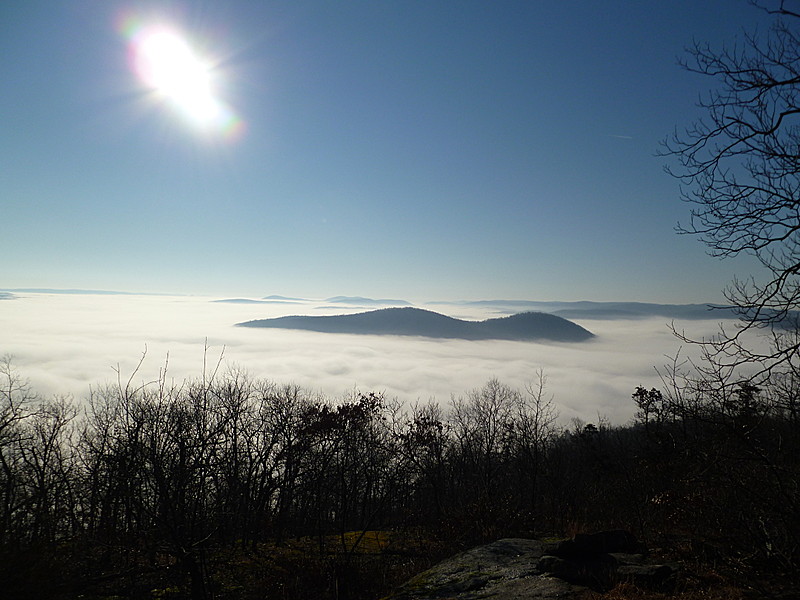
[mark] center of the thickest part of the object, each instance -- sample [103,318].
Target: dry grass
[367,542]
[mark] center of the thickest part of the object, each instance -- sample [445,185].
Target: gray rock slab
[503,570]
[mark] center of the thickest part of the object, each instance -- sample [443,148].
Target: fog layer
[66,344]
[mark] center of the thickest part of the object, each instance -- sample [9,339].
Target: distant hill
[251,301]
[361,301]
[611,310]
[526,326]
[638,310]
[283,298]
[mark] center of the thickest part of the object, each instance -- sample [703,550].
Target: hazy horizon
[719,297]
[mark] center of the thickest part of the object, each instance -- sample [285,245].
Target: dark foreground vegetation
[228,487]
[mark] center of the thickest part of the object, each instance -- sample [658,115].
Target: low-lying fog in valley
[68,343]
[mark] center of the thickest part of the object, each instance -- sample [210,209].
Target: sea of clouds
[66,344]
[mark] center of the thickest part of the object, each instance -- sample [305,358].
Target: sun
[167,64]
[176,74]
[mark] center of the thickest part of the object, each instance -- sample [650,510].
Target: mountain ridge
[410,321]
[588,309]
[361,300]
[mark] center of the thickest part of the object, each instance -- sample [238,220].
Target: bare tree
[734,410]
[740,169]
[534,430]
[423,445]
[481,423]
[16,397]
[49,465]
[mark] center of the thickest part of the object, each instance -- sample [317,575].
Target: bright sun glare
[167,64]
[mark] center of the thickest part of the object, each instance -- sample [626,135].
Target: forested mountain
[418,322]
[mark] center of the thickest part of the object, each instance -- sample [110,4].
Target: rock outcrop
[600,560]
[510,569]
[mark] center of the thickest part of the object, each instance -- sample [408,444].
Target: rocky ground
[516,569]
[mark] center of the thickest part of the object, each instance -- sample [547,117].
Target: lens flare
[167,65]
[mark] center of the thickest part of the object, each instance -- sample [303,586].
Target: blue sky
[410,149]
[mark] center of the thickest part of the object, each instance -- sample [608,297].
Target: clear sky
[408,149]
